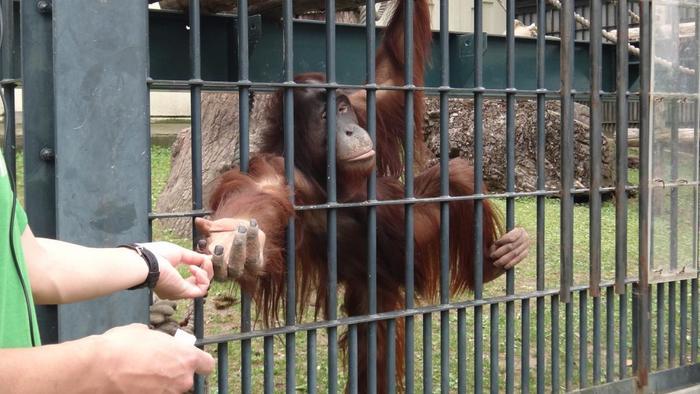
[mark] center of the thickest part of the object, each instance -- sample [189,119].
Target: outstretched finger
[236,257]
[191,257]
[512,257]
[252,260]
[510,236]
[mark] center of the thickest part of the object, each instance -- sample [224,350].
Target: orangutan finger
[217,260]
[517,259]
[510,236]
[202,246]
[236,257]
[511,258]
[252,260]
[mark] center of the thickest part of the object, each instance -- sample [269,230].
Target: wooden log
[686,137]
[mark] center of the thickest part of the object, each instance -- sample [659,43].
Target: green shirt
[14,320]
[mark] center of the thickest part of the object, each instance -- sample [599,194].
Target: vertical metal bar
[566,21]
[243,127]
[331,189]
[478,204]
[222,366]
[555,344]
[444,188]
[290,241]
[660,326]
[635,326]
[311,362]
[541,369]
[461,351]
[391,360]
[428,353]
[671,324]
[596,340]
[525,349]
[352,362]
[621,149]
[372,211]
[696,209]
[643,347]
[408,208]
[682,348]
[583,339]
[493,357]
[623,335]
[693,320]
[569,346]
[609,334]
[197,200]
[674,104]
[510,187]
[269,365]
[596,142]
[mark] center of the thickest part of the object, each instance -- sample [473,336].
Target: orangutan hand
[510,249]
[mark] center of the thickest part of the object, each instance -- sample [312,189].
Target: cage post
[90,210]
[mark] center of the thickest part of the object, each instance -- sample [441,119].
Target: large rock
[461,137]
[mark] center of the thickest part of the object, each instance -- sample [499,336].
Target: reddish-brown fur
[263,194]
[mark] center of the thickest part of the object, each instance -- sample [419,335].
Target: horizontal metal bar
[215,339]
[426,200]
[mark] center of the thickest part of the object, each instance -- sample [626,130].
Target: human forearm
[62,272]
[67,367]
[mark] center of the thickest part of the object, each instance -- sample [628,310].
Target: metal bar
[39,115]
[609,334]
[660,327]
[408,208]
[595,141]
[428,353]
[555,343]
[566,21]
[541,134]
[391,360]
[196,163]
[385,316]
[693,321]
[462,351]
[311,362]
[493,357]
[269,365]
[621,121]
[644,342]
[525,350]
[331,190]
[243,128]
[352,362]
[569,346]
[623,336]
[372,211]
[290,234]
[222,367]
[478,206]
[596,341]
[510,187]
[583,340]
[682,348]
[671,324]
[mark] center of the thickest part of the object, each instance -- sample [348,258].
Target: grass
[227,320]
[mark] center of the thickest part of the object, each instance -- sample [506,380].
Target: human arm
[124,359]
[61,272]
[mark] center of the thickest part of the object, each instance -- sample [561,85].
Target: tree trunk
[220,150]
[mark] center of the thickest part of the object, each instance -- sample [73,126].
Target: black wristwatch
[152,263]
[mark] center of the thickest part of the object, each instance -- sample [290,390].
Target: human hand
[136,359]
[510,249]
[236,246]
[170,284]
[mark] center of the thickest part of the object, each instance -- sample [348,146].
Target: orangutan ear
[203,226]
